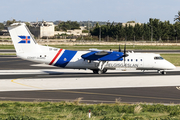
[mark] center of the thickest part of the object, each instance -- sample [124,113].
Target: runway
[28,81]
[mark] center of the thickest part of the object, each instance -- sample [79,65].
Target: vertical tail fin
[22,39]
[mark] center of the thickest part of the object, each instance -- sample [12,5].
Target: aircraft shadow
[63,73]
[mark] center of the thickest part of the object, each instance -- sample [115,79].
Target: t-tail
[22,39]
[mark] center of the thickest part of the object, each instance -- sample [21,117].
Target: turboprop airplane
[99,61]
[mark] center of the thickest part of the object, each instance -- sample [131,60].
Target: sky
[92,10]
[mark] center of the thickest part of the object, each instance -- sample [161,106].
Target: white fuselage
[98,61]
[63,58]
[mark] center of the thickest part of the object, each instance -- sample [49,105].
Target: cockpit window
[158,58]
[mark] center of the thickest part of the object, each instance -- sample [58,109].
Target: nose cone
[169,66]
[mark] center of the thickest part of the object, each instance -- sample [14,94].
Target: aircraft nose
[170,66]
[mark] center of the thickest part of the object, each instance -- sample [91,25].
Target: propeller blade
[125,49]
[119,49]
[124,60]
[125,55]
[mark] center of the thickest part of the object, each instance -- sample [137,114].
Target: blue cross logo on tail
[24,39]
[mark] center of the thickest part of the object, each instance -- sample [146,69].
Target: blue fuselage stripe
[65,58]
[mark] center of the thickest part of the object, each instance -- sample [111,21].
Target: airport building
[46,29]
[130,24]
[75,32]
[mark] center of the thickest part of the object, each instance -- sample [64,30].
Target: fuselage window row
[132,60]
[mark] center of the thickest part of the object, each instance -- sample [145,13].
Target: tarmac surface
[22,80]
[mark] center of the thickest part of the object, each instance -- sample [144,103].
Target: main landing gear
[162,72]
[100,69]
[97,71]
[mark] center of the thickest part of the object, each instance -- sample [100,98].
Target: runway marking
[116,95]
[13,81]
[11,61]
[90,93]
[41,99]
[178,88]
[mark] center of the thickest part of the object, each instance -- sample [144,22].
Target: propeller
[119,49]
[125,55]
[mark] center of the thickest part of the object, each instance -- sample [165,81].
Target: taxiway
[22,80]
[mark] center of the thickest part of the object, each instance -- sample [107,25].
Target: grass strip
[77,111]
[116,47]
[107,47]
[6,46]
[173,58]
[4,54]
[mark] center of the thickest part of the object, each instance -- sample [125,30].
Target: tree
[64,26]
[121,32]
[137,31]
[160,30]
[10,22]
[1,26]
[166,30]
[177,17]
[177,29]
[27,24]
[142,32]
[96,30]
[131,22]
[147,32]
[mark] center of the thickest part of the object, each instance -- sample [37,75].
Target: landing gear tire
[95,71]
[163,72]
[158,71]
[104,70]
[99,71]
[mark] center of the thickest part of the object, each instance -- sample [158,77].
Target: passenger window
[141,59]
[128,59]
[136,60]
[131,59]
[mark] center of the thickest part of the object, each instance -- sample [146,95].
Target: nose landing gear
[162,72]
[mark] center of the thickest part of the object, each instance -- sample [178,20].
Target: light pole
[176,35]
[134,41]
[151,33]
[108,23]
[99,33]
